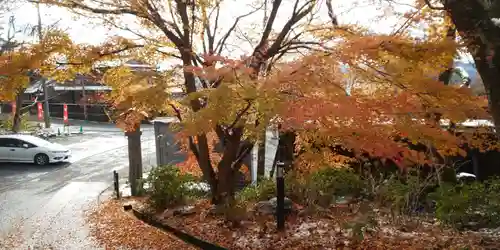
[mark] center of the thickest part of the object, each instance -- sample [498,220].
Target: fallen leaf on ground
[114,228]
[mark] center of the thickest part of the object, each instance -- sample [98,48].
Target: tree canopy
[396,92]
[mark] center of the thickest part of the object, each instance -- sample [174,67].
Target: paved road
[42,207]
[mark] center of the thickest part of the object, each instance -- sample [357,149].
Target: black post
[280,187]
[116,183]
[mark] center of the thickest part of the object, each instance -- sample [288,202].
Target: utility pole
[46,112]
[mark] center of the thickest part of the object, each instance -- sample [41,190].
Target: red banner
[40,111]
[13,108]
[65,113]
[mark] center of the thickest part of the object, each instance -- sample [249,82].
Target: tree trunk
[261,159]
[286,149]
[203,152]
[205,164]
[16,121]
[135,160]
[474,24]
[226,169]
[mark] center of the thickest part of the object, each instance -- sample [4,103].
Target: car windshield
[37,141]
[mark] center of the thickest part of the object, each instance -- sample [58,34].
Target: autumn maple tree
[237,99]
[19,64]
[476,23]
[58,58]
[186,31]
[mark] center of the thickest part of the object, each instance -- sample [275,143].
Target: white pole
[254,165]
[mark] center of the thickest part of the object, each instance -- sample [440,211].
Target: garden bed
[341,226]
[113,228]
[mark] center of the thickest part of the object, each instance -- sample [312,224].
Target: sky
[349,11]
[82,30]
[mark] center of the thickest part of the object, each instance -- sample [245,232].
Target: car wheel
[41,159]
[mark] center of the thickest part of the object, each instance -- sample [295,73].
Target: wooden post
[135,159]
[475,163]
[116,184]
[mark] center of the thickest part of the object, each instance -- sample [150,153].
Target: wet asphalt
[43,207]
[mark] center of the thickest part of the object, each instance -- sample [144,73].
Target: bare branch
[296,16]
[331,14]
[106,53]
[117,51]
[211,34]
[192,145]
[193,19]
[270,22]
[156,18]
[216,26]
[182,10]
[152,16]
[222,42]
[240,114]
[431,6]
[79,5]
[242,154]
[174,24]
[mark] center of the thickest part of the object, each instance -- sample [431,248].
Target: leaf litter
[113,228]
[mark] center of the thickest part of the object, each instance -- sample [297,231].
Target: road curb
[109,188]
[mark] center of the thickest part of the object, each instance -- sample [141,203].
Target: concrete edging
[190,239]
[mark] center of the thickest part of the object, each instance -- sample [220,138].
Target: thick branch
[270,22]
[182,10]
[241,155]
[156,18]
[240,114]
[216,26]
[331,14]
[297,16]
[192,145]
[117,51]
[106,53]
[431,6]
[81,6]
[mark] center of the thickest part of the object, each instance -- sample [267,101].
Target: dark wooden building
[83,95]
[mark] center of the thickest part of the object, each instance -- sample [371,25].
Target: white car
[31,149]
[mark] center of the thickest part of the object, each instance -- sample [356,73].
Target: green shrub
[167,187]
[264,190]
[322,186]
[296,187]
[328,183]
[405,195]
[338,181]
[469,205]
